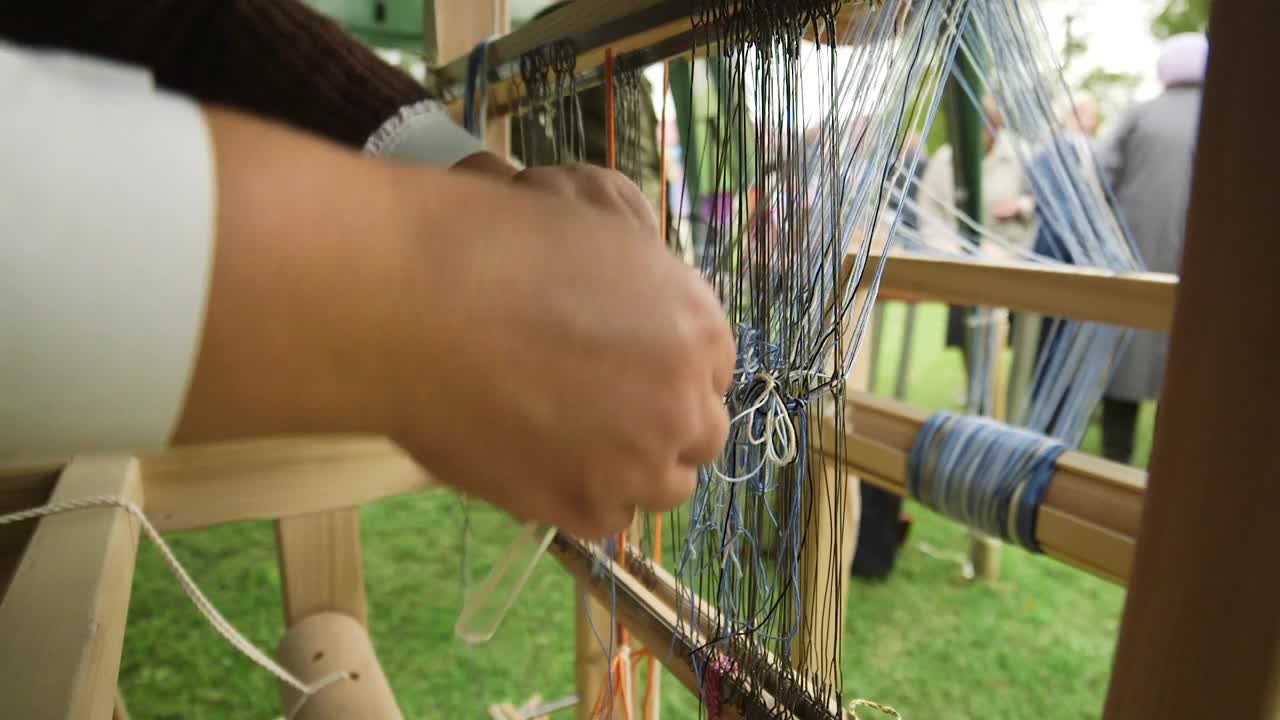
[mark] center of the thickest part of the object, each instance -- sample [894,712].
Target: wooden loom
[1197,551]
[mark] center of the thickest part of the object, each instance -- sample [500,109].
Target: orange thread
[619,667]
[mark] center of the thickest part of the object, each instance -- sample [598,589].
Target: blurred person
[1147,159]
[1002,182]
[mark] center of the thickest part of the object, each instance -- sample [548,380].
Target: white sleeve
[106,238]
[423,133]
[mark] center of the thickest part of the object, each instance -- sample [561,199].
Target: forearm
[310,271]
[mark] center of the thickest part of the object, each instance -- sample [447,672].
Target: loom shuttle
[485,610]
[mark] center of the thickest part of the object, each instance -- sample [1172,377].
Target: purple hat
[1182,59]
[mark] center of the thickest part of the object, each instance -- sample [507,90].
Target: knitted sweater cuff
[423,133]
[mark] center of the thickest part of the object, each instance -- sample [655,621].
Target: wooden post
[1201,629]
[320,565]
[62,620]
[904,358]
[459,25]
[1025,331]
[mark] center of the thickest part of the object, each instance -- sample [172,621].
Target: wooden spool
[330,642]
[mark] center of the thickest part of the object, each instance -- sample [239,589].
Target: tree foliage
[1181,16]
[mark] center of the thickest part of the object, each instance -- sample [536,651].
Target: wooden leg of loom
[327,643]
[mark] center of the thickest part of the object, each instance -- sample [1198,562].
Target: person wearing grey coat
[1148,161]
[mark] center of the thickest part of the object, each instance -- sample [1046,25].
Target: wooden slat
[1143,301]
[1089,516]
[62,620]
[198,487]
[1201,628]
[320,565]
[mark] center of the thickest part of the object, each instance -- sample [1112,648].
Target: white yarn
[202,603]
[777,437]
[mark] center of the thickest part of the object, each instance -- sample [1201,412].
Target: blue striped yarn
[477,82]
[987,475]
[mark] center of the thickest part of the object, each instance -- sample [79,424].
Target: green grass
[1036,645]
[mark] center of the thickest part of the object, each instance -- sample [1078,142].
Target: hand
[595,186]
[538,349]
[575,370]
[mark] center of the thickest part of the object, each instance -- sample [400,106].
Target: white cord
[202,603]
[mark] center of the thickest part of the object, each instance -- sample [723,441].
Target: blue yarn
[473,120]
[1033,495]
[983,473]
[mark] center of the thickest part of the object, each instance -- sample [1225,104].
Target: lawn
[1036,645]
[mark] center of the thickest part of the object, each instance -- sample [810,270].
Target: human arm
[551,358]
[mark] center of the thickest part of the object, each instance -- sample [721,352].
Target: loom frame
[1176,628]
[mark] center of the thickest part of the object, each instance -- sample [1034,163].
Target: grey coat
[1147,160]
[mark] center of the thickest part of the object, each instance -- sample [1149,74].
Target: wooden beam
[321,569]
[1201,626]
[637,31]
[202,486]
[62,620]
[1142,301]
[1089,518]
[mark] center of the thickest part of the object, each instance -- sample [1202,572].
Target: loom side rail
[1142,301]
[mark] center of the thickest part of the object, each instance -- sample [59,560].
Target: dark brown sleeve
[273,58]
